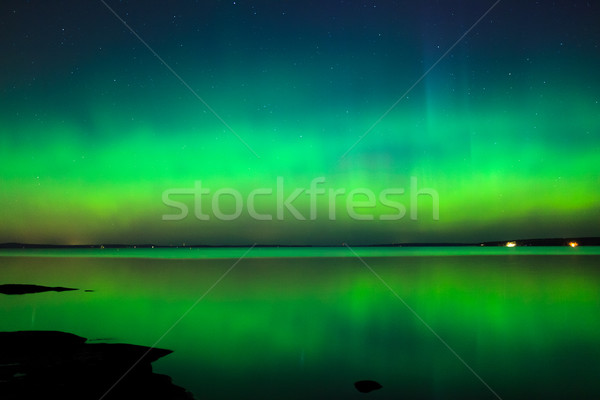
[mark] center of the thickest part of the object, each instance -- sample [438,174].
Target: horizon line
[556,241]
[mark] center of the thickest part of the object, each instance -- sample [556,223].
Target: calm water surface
[308,323]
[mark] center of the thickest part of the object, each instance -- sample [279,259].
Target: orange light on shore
[511,244]
[573,244]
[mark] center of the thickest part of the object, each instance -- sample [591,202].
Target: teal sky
[94,128]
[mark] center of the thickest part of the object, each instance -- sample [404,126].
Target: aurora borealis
[94,128]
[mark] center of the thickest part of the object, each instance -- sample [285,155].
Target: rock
[367,386]
[25,289]
[51,364]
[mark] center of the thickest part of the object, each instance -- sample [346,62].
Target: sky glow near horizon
[93,128]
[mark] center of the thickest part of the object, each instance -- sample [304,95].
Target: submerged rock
[15,288]
[51,364]
[367,386]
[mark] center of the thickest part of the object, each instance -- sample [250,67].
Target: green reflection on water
[308,327]
[287,252]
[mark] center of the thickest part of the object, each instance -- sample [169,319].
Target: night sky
[94,127]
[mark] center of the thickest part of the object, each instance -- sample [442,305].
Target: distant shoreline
[549,242]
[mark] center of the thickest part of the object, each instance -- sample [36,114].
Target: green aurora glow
[93,128]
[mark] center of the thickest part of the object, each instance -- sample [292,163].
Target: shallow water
[286,323]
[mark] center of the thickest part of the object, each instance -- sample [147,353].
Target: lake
[300,323]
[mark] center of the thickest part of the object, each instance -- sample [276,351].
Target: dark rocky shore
[59,365]
[15,288]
